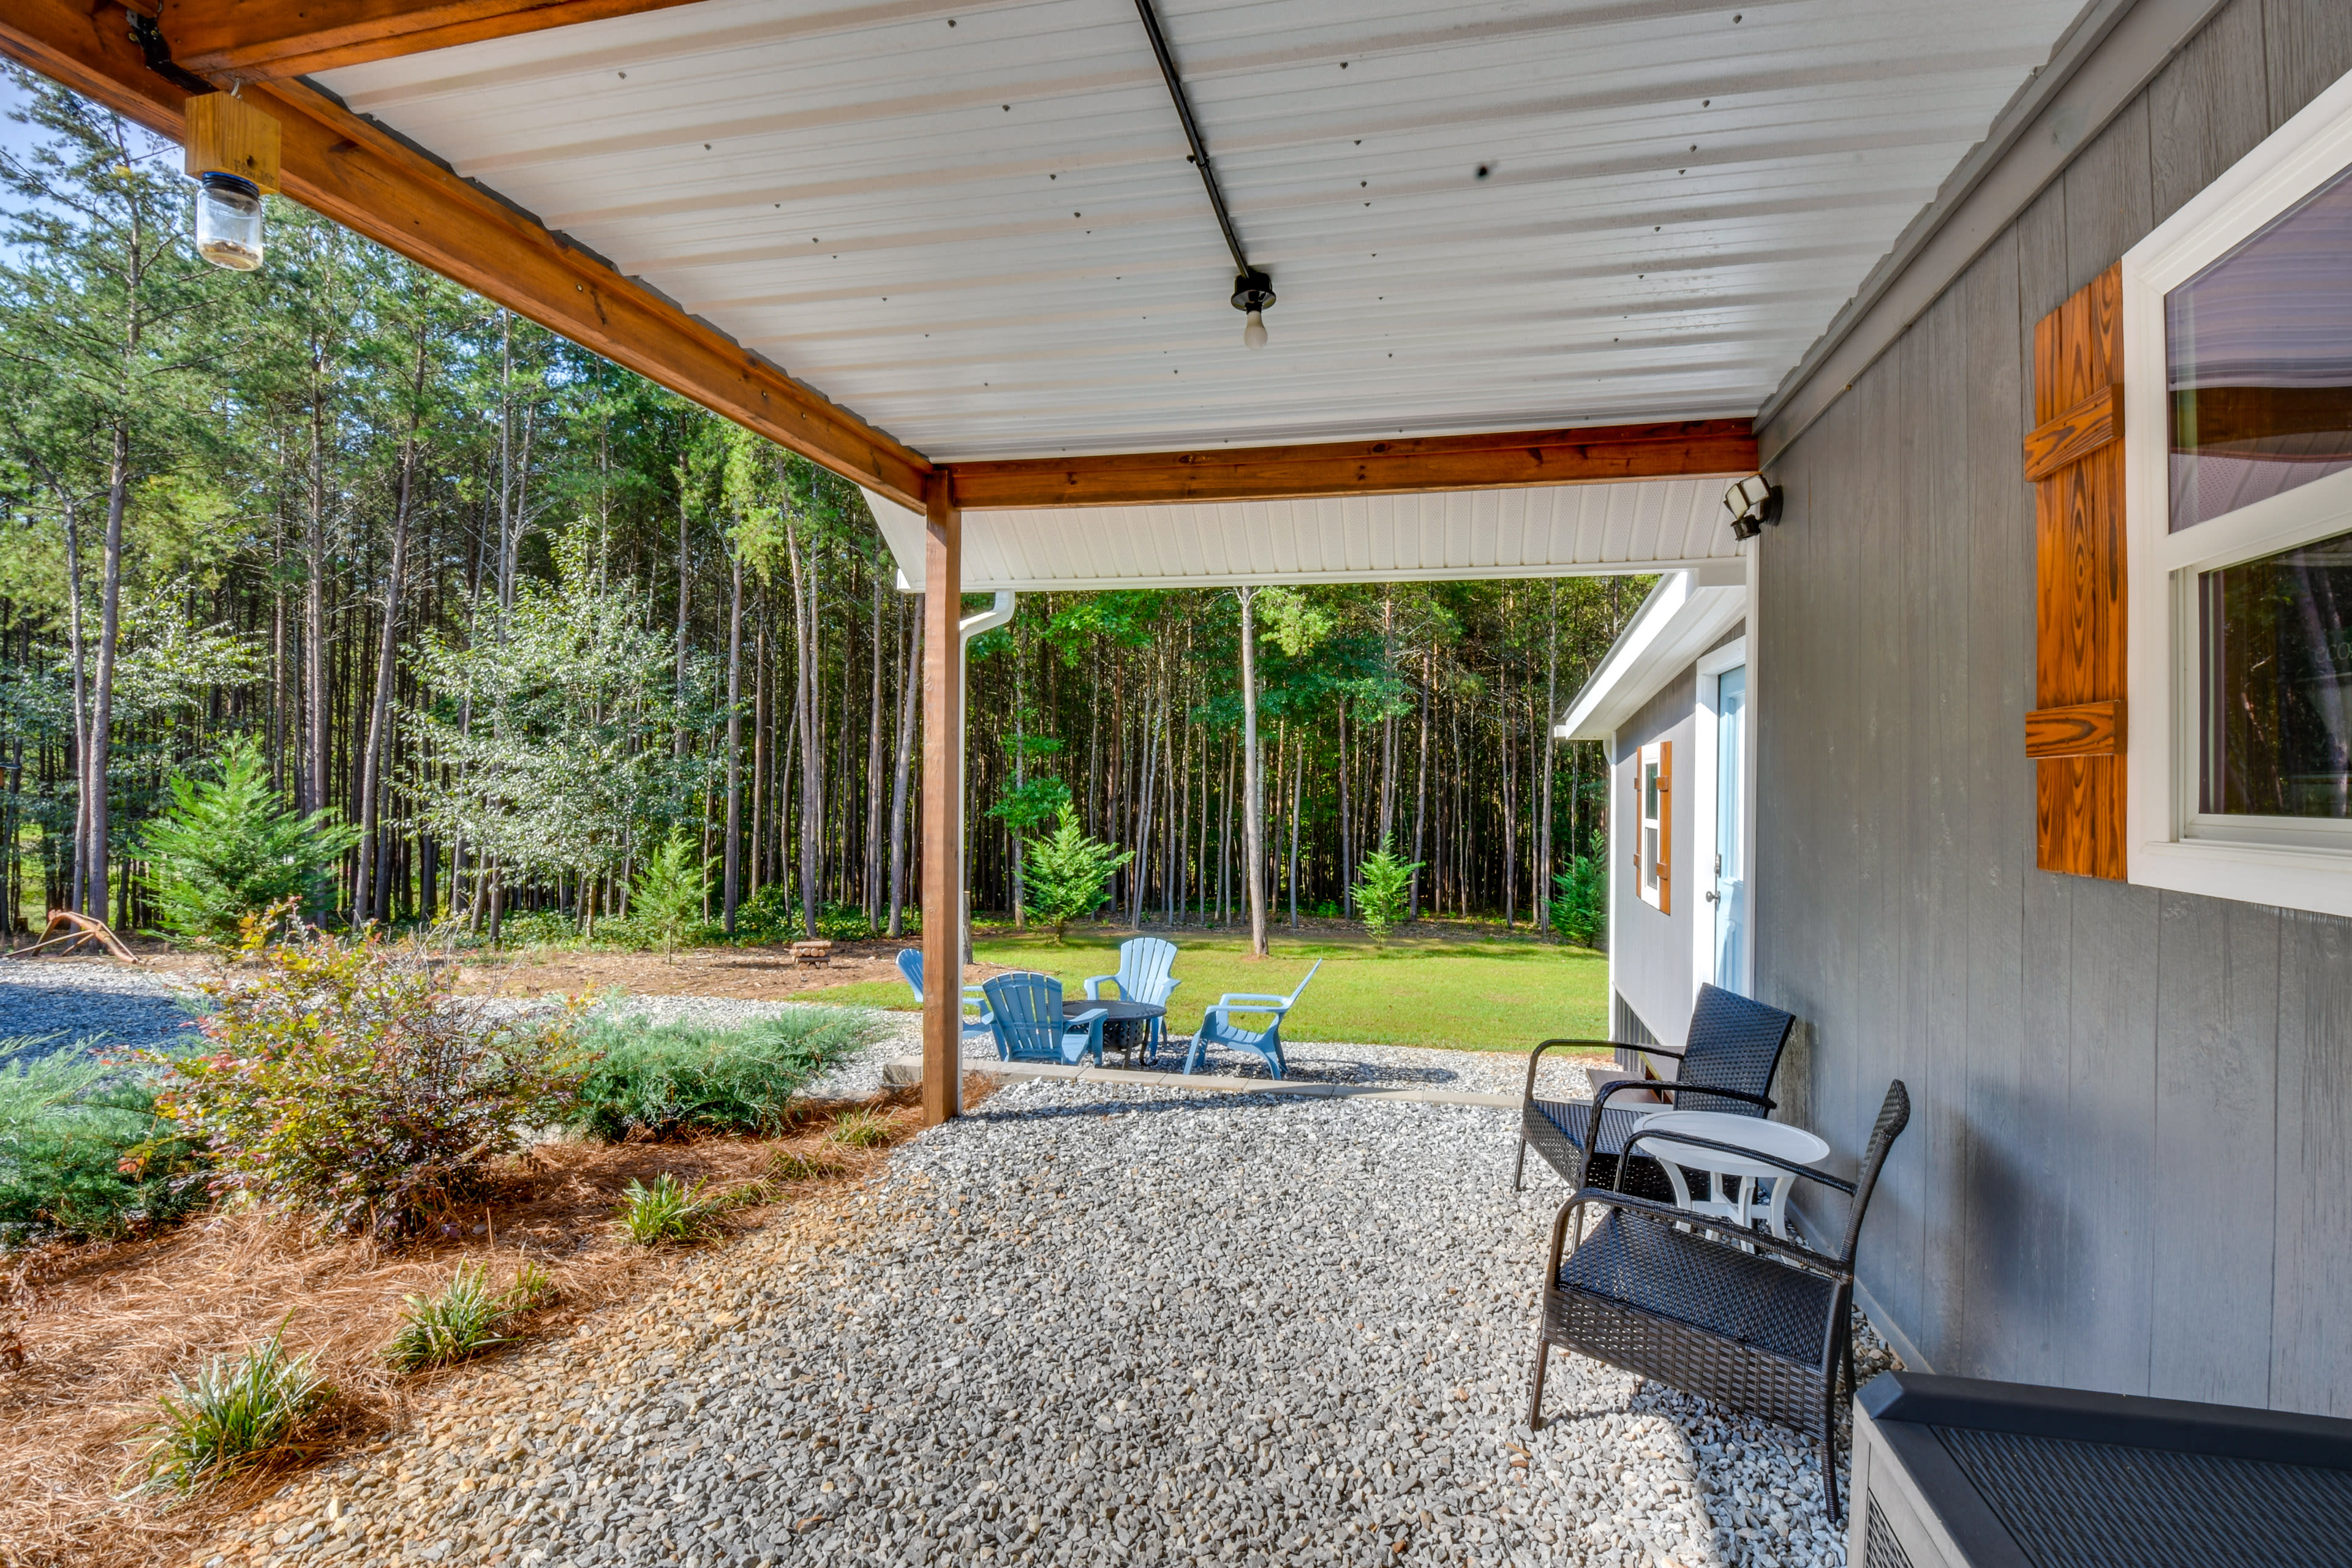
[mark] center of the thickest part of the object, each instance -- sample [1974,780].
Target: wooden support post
[943,891]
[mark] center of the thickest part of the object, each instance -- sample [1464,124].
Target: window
[2238,432]
[1653,782]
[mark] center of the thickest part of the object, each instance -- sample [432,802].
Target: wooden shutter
[2074,457]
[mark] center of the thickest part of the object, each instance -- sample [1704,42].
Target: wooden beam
[943,891]
[2078,729]
[347,169]
[261,40]
[2074,435]
[1504,460]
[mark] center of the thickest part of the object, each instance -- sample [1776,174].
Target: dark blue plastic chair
[1025,1011]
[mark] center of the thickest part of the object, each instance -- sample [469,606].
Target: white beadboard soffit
[974,223]
[1547,531]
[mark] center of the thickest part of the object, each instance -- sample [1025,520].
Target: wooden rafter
[345,168]
[1505,460]
[262,40]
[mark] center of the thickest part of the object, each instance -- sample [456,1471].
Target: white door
[1727,896]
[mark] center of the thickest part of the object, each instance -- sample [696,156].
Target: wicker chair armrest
[1676,1085]
[1536,1055]
[1804,1257]
[1592,1120]
[1792,1167]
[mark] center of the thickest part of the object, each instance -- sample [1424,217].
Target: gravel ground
[1091,1324]
[96,1005]
[1397,1066]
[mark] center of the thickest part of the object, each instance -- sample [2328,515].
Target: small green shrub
[669,1210]
[670,892]
[538,928]
[1383,884]
[860,1129]
[467,1318]
[345,1080]
[82,1152]
[662,1081]
[236,1413]
[1068,875]
[222,852]
[1579,900]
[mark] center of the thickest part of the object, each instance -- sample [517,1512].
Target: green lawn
[1476,995]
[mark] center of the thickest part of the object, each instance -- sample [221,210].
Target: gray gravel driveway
[1103,1326]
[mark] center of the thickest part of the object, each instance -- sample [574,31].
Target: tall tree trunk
[677,731]
[874,766]
[1254,784]
[1542,902]
[77,898]
[1347,842]
[899,771]
[1420,800]
[369,902]
[805,718]
[314,609]
[734,736]
[110,620]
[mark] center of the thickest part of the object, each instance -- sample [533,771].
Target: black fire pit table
[1126,1029]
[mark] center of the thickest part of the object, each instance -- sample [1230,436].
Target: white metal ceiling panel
[1551,531]
[974,223]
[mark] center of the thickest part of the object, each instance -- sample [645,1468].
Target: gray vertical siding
[1650,952]
[2129,1166]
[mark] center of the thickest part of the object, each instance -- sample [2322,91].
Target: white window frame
[1707,771]
[2170,843]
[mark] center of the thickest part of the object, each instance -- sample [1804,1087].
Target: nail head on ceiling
[625,76]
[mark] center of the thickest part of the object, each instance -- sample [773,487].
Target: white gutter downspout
[970,626]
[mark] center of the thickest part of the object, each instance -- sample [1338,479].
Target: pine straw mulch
[102,1328]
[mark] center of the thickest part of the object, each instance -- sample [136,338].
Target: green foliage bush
[1068,875]
[465,1319]
[662,1081]
[669,1210]
[82,1152]
[344,1080]
[666,901]
[1579,900]
[236,1413]
[1383,887]
[222,852]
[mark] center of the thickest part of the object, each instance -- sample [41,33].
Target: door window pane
[2258,351]
[2277,683]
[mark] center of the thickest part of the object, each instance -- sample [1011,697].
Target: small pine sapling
[225,850]
[1068,875]
[1383,884]
[669,896]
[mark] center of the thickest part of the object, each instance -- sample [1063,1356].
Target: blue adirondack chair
[1027,1010]
[1143,965]
[1218,1027]
[981,1028]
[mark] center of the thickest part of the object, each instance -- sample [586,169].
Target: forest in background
[521,617]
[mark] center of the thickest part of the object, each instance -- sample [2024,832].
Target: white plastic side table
[1756,1186]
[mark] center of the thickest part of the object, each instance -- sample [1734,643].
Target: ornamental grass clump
[860,1129]
[345,1081]
[669,1210]
[236,1413]
[651,1081]
[465,1319]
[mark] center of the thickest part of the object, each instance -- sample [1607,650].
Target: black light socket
[1253,290]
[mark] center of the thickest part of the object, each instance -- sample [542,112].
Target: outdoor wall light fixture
[1752,502]
[1253,292]
[232,154]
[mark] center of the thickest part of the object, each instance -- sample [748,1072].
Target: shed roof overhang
[958,243]
[1686,614]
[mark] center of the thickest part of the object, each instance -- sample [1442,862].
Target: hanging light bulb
[229,222]
[1253,292]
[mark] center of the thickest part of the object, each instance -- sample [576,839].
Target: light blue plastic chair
[1218,1027]
[1027,1008]
[981,1028]
[1143,965]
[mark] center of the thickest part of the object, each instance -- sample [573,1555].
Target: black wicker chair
[1733,1050]
[1760,1325]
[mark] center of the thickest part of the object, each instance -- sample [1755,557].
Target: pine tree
[1383,883]
[222,851]
[667,899]
[1069,874]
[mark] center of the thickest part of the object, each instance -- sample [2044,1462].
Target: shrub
[669,1210]
[345,1080]
[1580,901]
[860,1129]
[661,1080]
[667,899]
[222,852]
[236,1413]
[82,1152]
[467,1318]
[1068,875]
[791,1167]
[538,928]
[1383,884]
